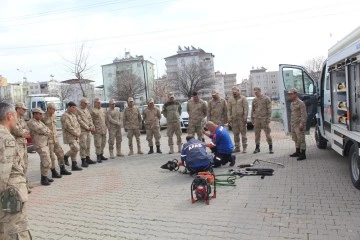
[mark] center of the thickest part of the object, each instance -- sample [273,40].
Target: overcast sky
[38,35]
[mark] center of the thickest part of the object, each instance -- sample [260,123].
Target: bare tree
[160,88]
[192,78]
[127,85]
[65,91]
[79,66]
[314,66]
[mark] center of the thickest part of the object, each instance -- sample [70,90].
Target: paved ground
[132,198]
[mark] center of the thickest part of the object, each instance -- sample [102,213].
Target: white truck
[41,101]
[333,100]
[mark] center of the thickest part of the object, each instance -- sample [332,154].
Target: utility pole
[157,69]
[145,80]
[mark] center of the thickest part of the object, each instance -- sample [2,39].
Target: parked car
[184,117]
[29,144]
[249,123]
[162,122]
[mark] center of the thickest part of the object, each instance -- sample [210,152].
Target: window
[297,78]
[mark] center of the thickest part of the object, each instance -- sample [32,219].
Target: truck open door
[292,76]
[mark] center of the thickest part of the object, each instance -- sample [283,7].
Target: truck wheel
[321,142]
[354,166]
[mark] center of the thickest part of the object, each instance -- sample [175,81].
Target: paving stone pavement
[132,198]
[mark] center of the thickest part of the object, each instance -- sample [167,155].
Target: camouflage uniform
[237,113]
[113,122]
[151,117]
[197,112]
[132,123]
[20,132]
[54,145]
[40,135]
[298,116]
[85,121]
[217,111]
[261,115]
[12,225]
[71,130]
[98,118]
[172,111]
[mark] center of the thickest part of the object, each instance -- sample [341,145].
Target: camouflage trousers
[151,133]
[115,134]
[24,155]
[44,154]
[74,149]
[192,129]
[55,149]
[84,141]
[298,137]
[99,142]
[261,123]
[238,128]
[130,134]
[171,129]
[14,226]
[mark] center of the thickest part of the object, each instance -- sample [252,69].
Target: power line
[170,30]
[220,29]
[41,14]
[84,14]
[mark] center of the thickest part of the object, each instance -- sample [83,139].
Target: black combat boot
[257,148]
[232,160]
[66,160]
[55,174]
[271,149]
[296,154]
[89,161]
[44,181]
[63,171]
[75,167]
[302,155]
[98,158]
[102,157]
[158,149]
[151,150]
[83,162]
[50,180]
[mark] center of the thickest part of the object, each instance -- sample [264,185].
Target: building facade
[184,58]
[267,81]
[138,66]
[79,90]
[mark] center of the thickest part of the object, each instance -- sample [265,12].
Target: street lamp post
[145,80]
[157,69]
[24,72]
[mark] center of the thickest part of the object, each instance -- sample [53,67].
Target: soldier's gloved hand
[125,130]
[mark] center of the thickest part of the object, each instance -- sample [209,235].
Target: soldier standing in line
[217,109]
[113,122]
[71,134]
[87,127]
[132,124]
[261,118]
[151,117]
[237,116]
[98,119]
[172,111]
[13,221]
[197,110]
[54,146]
[20,131]
[40,135]
[298,124]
